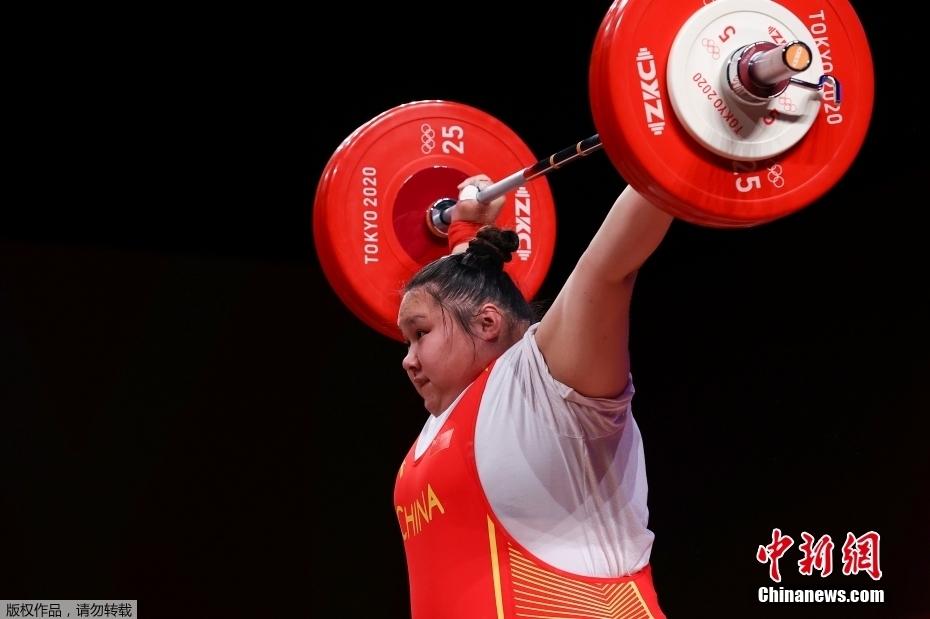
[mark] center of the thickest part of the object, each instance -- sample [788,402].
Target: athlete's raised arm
[584,335]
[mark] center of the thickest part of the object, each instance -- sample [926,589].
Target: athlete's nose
[411,362]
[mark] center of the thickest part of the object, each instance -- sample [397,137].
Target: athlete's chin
[431,402]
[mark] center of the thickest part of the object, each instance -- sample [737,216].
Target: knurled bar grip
[540,168]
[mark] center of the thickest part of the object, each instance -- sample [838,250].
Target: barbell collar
[439,216]
[837,96]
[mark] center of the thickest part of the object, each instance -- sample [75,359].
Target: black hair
[461,283]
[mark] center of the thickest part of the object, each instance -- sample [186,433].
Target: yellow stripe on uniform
[495,570]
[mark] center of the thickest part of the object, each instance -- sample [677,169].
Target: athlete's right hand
[469,209]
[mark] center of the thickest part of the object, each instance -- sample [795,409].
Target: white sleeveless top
[564,473]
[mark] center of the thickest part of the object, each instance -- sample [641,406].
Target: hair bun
[491,248]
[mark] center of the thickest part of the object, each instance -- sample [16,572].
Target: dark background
[189,417]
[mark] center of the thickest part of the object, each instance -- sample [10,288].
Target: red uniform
[463,564]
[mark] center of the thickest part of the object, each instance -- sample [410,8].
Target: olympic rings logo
[787,105]
[775,176]
[711,48]
[427,139]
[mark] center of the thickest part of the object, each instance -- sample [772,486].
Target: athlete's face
[440,360]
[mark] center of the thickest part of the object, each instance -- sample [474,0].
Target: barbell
[725,114]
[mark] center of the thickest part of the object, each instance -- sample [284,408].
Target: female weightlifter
[525,493]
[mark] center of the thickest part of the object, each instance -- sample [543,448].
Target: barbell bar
[439,214]
[756,73]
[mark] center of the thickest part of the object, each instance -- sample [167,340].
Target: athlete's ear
[489,322]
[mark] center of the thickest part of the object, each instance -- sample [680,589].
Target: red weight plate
[369,213]
[656,155]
